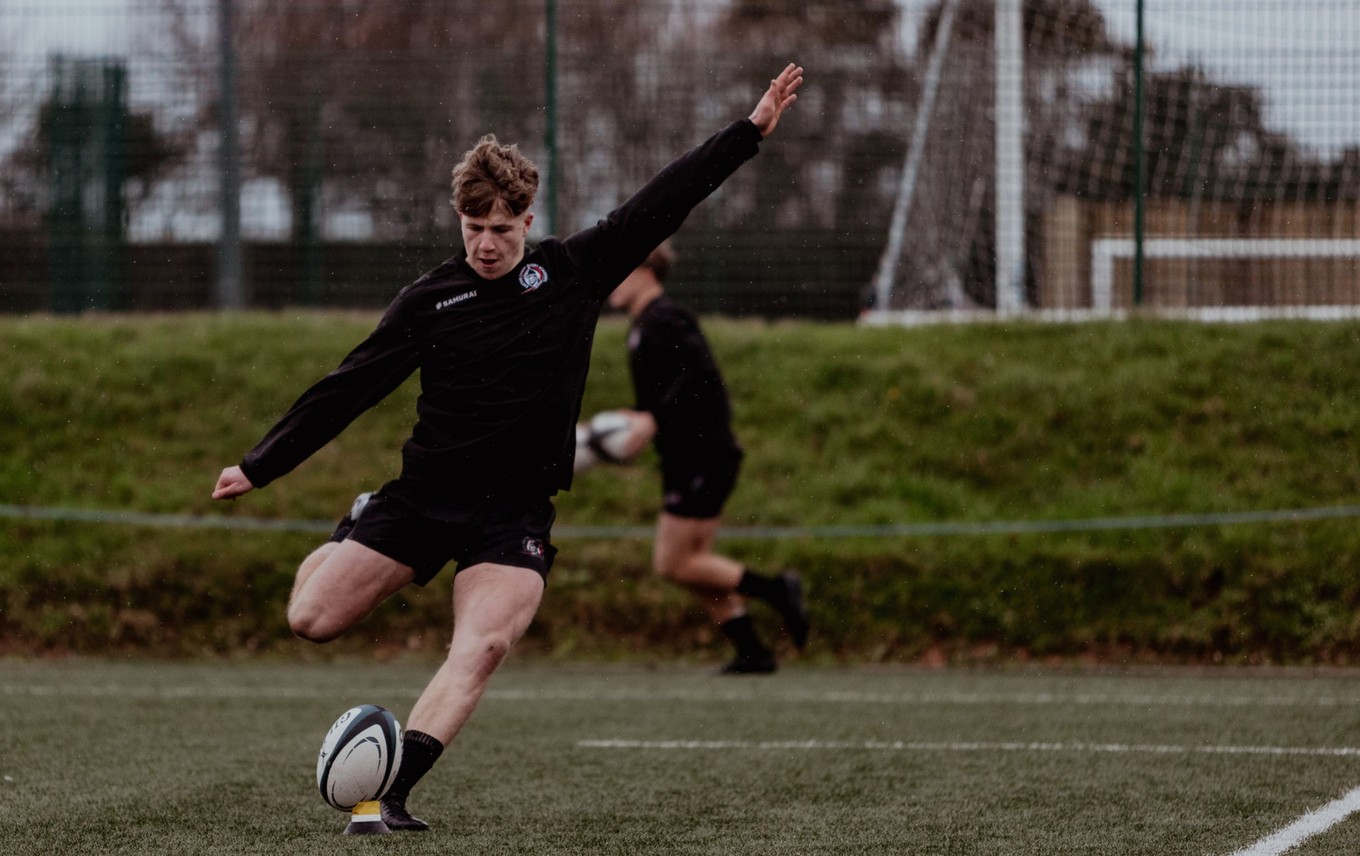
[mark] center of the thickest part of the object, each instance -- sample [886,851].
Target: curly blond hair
[491,171]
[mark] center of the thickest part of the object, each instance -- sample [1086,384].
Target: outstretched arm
[378,365]
[778,98]
[621,241]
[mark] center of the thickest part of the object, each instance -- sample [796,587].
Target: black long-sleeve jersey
[502,362]
[676,379]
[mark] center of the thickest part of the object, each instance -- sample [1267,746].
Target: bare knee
[312,624]
[483,655]
[494,649]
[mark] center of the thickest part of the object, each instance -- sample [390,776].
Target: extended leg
[492,607]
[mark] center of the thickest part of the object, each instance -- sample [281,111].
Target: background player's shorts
[699,489]
[512,532]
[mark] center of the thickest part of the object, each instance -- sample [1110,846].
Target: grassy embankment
[842,426]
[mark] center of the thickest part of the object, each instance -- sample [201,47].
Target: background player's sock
[761,587]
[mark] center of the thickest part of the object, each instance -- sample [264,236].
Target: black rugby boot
[346,524]
[398,819]
[750,664]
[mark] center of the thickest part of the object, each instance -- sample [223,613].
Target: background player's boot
[754,663]
[356,509]
[753,658]
[360,502]
[398,819]
[785,594]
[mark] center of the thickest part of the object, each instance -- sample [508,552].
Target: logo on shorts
[532,547]
[532,276]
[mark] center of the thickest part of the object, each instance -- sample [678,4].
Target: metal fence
[169,154]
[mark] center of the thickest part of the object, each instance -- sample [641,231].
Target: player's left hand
[231,483]
[778,98]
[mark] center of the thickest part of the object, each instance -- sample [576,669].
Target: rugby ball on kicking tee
[609,433]
[360,757]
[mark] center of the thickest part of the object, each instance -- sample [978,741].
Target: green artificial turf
[128,757]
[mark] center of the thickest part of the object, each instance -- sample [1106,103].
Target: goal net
[1250,150]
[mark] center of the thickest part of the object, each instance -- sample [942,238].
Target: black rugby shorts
[699,489]
[512,532]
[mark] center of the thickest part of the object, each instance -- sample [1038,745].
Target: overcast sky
[1305,54]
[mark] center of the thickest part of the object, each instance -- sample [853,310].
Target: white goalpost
[1007,84]
[1010,158]
[906,191]
[1104,252]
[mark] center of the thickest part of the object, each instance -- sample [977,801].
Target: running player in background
[501,338]
[683,405]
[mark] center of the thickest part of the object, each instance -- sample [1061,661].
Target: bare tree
[819,201]
[366,105]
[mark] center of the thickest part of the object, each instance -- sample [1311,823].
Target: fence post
[86,129]
[1140,163]
[550,117]
[230,291]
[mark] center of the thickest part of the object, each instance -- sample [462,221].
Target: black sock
[742,631]
[419,751]
[769,589]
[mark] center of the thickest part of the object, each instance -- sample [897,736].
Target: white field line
[1150,700]
[964,746]
[760,533]
[1034,699]
[1312,823]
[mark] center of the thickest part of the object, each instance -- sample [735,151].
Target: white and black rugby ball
[585,456]
[359,757]
[608,437]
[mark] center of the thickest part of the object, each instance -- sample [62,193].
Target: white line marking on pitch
[1312,823]
[963,746]
[1149,700]
[909,698]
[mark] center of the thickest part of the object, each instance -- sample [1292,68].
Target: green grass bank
[842,425]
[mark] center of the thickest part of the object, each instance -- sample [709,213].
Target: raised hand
[779,97]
